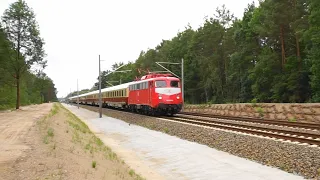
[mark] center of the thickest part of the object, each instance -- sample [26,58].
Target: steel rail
[254,130]
[256,120]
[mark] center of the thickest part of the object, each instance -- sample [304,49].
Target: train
[153,94]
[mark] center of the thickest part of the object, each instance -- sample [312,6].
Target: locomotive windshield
[174,83]
[160,84]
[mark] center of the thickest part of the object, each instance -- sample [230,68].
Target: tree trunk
[206,94]
[282,46]
[18,92]
[298,51]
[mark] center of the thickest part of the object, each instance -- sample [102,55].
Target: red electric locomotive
[156,94]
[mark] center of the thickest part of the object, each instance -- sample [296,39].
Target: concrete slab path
[156,155]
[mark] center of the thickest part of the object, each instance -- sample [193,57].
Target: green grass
[136,176]
[50,132]
[94,164]
[87,147]
[112,156]
[131,172]
[166,130]
[98,141]
[46,140]
[293,119]
[54,110]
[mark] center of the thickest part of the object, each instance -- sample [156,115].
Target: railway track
[291,135]
[256,120]
[294,136]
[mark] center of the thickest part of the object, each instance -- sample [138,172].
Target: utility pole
[116,70]
[182,83]
[78,94]
[100,101]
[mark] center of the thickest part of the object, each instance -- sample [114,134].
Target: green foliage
[21,47]
[260,111]
[270,55]
[314,47]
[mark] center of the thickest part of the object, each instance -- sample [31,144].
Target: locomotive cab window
[160,84]
[174,84]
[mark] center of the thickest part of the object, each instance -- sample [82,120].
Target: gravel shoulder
[298,159]
[55,144]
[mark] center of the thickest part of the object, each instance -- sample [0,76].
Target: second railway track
[313,126]
[294,136]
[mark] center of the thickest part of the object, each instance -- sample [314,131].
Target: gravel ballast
[298,159]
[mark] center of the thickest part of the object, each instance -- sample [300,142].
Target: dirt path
[37,143]
[13,128]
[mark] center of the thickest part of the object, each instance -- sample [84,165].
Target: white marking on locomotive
[168,91]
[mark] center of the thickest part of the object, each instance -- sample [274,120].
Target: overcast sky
[77,31]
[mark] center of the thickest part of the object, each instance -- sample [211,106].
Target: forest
[270,55]
[22,60]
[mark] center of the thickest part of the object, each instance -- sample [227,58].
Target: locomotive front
[168,95]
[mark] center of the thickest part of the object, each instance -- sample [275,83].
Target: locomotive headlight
[178,97]
[160,97]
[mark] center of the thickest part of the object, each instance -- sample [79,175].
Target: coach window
[160,84]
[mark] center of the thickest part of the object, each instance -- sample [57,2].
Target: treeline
[272,54]
[22,80]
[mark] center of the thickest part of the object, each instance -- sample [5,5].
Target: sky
[76,32]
